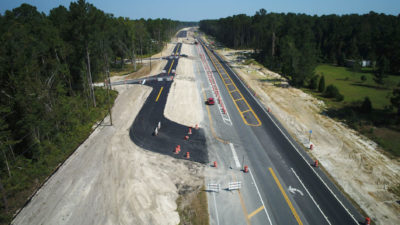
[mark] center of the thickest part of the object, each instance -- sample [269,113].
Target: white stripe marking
[226,118]
[215,206]
[259,195]
[351,215]
[235,157]
[301,182]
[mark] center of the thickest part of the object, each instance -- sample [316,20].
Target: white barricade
[234,185]
[213,187]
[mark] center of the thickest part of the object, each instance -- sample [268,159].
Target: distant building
[363,63]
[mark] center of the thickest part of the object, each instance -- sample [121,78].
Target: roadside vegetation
[311,52]
[125,70]
[366,107]
[48,105]
[194,212]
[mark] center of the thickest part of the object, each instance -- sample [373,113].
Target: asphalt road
[282,186]
[170,133]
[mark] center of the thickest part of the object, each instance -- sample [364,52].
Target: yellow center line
[171,66]
[247,218]
[212,57]
[296,216]
[255,212]
[159,93]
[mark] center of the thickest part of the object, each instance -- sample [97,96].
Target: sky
[190,10]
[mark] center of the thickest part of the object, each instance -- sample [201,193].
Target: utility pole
[150,54]
[108,94]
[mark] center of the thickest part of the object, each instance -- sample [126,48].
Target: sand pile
[184,103]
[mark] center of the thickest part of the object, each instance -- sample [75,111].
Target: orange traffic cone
[367,221]
[177,149]
[316,163]
[186,137]
[187,155]
[246,169]
[215,164]
[190,130]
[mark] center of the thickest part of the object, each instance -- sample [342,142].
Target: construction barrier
[213,187]
[234,185]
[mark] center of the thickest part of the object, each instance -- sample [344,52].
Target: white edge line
[235,157]
[259,195]
[351,215]
[204,68]
[216,210]
[312,198]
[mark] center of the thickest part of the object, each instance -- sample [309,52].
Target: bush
[314,82]
[366,106]
[339,97]
[321,85]
[363,78]
[333,92]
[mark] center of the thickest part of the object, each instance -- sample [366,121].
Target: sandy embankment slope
[109,180]
[184,103]
[350,158]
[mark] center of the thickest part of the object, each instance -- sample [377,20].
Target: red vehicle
[210,101]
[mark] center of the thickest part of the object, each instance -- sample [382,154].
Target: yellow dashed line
[255,212]
[159,93]
[171,66]
[296,216]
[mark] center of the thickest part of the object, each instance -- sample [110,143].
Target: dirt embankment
[110,180]
[351,159]
[184,103]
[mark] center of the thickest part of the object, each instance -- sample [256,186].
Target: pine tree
[321,85]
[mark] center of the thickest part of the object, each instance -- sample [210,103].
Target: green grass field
[350,85]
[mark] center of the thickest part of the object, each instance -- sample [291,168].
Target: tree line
[47,66]
[293,44]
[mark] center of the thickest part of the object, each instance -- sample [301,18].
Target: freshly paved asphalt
[171,134]
[268,147]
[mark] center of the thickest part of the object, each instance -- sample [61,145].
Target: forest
[48,105]
[293,44]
